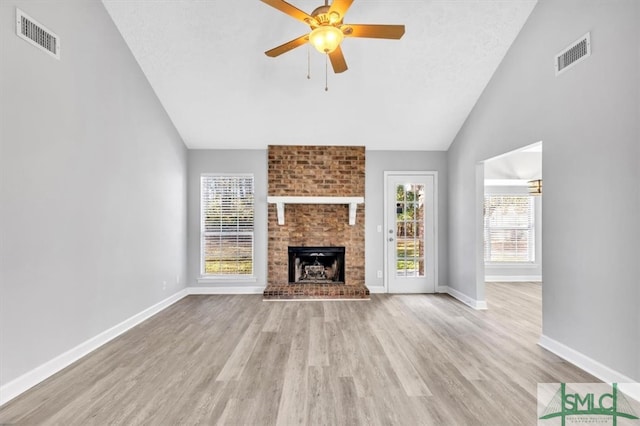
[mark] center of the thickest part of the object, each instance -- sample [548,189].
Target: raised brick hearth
[316,291]
[316,171]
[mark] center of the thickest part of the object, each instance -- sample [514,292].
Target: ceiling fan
[328,30]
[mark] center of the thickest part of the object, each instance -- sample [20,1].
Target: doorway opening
[510,223]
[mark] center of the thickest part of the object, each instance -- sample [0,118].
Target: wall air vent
[37,34]
[576,52]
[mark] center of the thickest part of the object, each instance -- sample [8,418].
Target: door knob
[390,239]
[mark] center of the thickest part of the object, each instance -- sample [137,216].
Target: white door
[410,232]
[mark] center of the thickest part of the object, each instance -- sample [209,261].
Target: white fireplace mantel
[351,201]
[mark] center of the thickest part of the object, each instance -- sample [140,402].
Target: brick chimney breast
[321,171]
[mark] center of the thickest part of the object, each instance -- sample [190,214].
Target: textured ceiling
[519,165]
[205,61]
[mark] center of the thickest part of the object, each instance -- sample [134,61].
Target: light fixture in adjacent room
[535,187]
[326,38]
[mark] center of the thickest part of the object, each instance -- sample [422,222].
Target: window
[227,212]
[509,229]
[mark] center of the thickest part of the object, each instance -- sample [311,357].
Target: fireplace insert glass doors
[316,265]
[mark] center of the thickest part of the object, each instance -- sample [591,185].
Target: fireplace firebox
[315,265]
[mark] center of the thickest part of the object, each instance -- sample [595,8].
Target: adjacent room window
[509,235]
[227,212]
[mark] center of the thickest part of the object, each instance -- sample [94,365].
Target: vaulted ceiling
[205,60]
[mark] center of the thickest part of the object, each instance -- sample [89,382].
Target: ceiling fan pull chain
[308,63]
[326,72]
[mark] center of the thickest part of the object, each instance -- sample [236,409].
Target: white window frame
[531,228]
[222,277]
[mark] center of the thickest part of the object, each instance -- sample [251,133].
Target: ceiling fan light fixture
[326,38]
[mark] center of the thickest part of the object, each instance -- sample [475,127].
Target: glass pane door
[409,242]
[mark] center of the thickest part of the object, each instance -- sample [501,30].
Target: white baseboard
[513,278]
[226,290]
[479,305]
[379,289]
[49,368]
[591,366]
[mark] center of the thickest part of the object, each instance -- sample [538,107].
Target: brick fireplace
[328,172]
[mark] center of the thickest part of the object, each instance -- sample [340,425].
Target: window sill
[506,265]
[226,279]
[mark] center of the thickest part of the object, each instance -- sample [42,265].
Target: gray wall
[377,163]
[588,121]
[255,161]
[228,161]
[92,188]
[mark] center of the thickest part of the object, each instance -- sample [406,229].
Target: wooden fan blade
[340,6]
[337,61]
[290,45]
[375,31]
[289,9]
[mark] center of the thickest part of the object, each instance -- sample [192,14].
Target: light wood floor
[397,359]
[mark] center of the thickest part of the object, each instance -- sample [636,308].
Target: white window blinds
[227,203]
[509,228]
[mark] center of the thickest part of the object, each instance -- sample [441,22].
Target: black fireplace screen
[316,265]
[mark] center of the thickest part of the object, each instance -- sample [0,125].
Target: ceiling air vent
[37,34]
[576,52]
